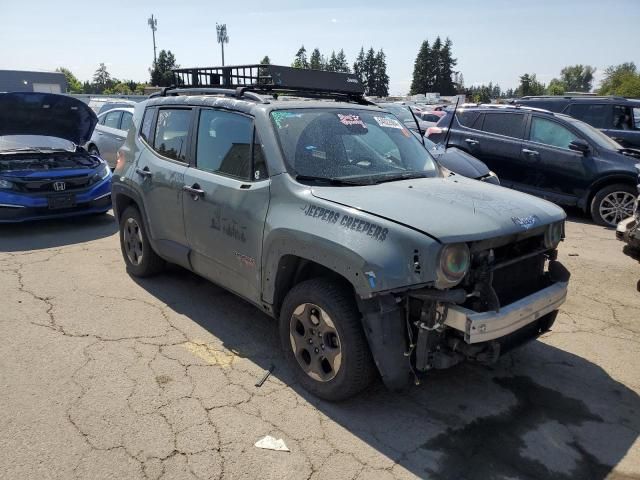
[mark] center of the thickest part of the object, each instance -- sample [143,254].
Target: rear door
[498,143]
[109,135]
[226,197]
[160,173]
[549,168]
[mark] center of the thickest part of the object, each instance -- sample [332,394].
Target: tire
[334,306]
[612,204]
[139,257]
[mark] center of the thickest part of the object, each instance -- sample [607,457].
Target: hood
[29,113]
[460,162]
[448,209]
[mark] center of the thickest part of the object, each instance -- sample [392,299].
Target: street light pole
[153,23]
[222,37]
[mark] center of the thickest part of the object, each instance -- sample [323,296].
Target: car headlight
[454,263]
[6,184]
[102,173]
[553,235]
[491,177]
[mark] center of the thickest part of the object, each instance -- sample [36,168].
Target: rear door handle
[471,141]
[144,172]
[195,191]
[533,153]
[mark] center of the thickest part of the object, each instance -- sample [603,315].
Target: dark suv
[618,117]
[550,155]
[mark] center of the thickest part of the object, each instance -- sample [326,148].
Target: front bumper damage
[487,326]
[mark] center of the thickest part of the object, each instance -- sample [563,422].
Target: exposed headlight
[6,184]
[454,262]
[553,235]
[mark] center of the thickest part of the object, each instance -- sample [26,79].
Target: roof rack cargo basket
[270,78]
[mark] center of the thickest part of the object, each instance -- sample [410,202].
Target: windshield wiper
[399,176]
[330,181]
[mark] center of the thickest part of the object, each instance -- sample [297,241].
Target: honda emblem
[59,186]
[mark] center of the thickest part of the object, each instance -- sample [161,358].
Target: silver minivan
[110,133]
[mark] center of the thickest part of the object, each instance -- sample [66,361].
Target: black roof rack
[575,95]
[243,80]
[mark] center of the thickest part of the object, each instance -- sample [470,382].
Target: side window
[224,144]
[125,123]
[102,118]
[112,119]
[507,124]
[622,118]
[172,130]
[466,118]
[550,133]
[636,118]
[147,120]
[598,116]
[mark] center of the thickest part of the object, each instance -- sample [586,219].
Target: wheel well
[293,270]
[121,202]
[605,182]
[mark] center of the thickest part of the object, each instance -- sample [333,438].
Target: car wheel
[612,204]
[323,340]
[138,255]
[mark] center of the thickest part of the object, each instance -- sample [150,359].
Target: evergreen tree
[529,85]
[300,60]
[341,62]
[419,84]
[263,72]
[101,77]
[73,84]
[445,62]
[369,71]
[381,85]
[315,61]
[333,62]
[358,66]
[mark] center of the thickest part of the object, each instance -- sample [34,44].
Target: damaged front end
[508,294]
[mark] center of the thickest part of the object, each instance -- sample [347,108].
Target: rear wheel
[612,204]
[322,336]
[138,255]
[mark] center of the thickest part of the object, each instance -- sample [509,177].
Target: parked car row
[550,155]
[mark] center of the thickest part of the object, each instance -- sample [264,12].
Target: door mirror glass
[579,146]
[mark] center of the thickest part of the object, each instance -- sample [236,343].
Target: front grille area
[74,183]
[514,271]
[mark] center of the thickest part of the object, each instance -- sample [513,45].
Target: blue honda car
[44,173]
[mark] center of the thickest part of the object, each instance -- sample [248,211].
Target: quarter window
[507,124]
[550,133]
[112,119]
[147,121]
[172,130]
[224,144]
[598,116]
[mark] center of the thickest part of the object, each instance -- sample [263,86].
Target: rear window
[507,124]
[172,130]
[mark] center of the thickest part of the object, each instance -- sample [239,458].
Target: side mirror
[579,146]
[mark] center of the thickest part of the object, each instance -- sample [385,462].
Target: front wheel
[137,252]
[612,204]
[322,337]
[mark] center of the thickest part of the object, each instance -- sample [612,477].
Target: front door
[226,198]
[551,170]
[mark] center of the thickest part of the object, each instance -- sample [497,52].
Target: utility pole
[153,23]
[222,37]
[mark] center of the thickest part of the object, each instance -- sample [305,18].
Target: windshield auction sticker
[386,122]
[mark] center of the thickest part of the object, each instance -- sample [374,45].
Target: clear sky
[494,40]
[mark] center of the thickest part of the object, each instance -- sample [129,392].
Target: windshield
[34,142]
[596,135]
[360,146]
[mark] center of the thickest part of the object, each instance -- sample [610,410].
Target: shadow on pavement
[19,237]
[540,412]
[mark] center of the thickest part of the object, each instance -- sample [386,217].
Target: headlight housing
[454,263]
[102,173]
[554,234]
[6,184]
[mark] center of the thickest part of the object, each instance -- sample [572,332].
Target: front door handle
[471,141]
[144,172]
[533,153]
[195,191]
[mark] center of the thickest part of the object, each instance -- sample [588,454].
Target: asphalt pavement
[106,376]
